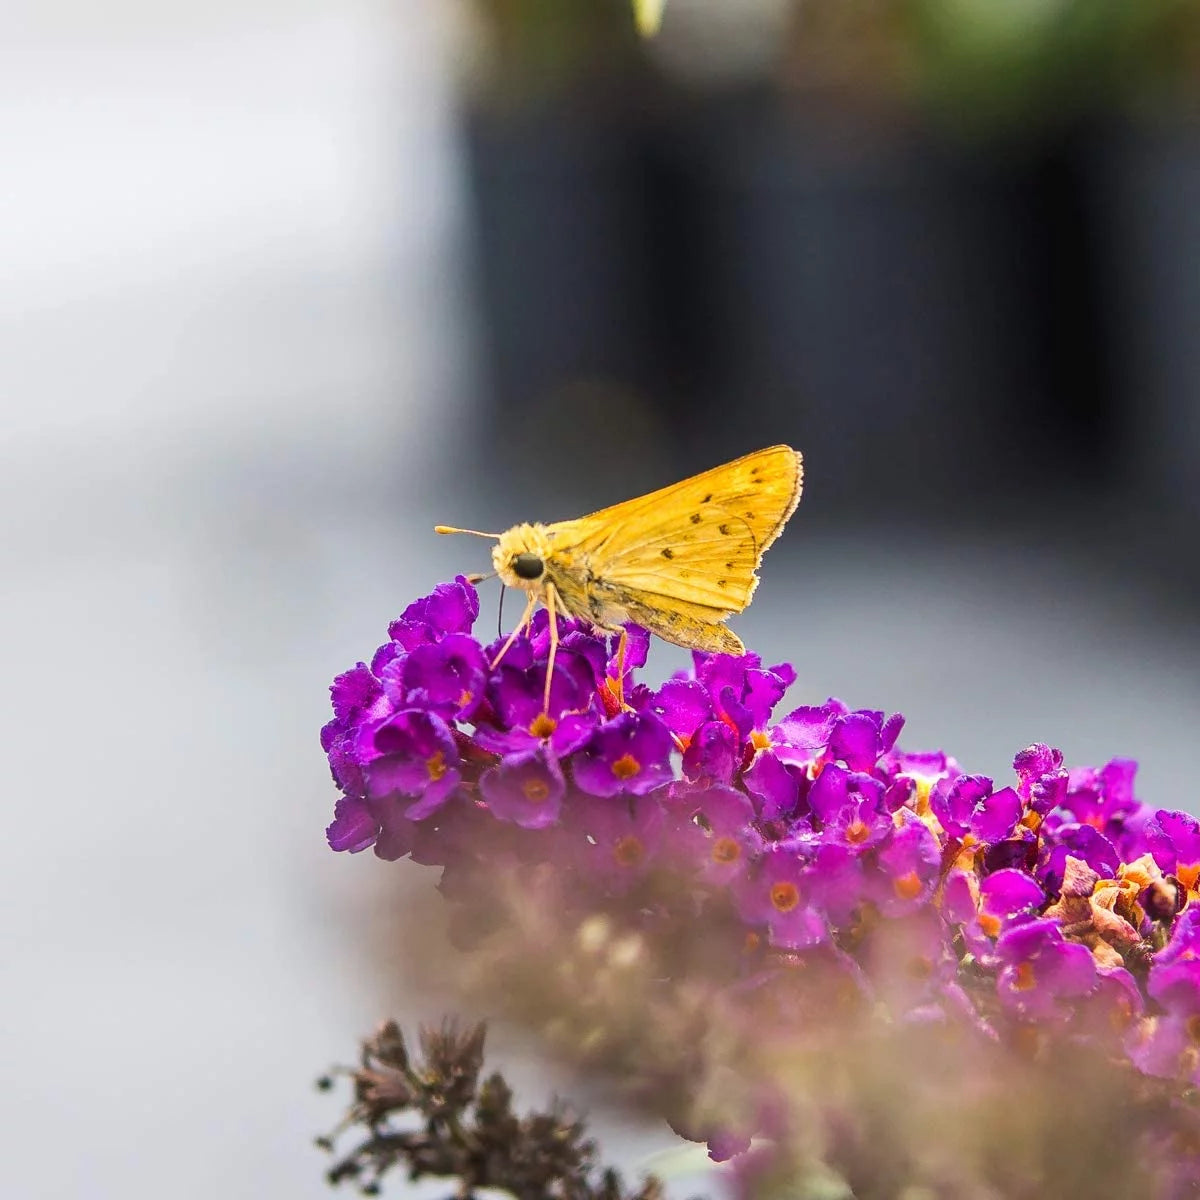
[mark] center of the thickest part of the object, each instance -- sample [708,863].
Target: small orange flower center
[1188,874]
[921,803]
[760,739]
[628,850]
[543,725]
[857,832]
[1193,1029]
[1031,820]
[908,887]
[536,790]
[435,764]
[785,895]
[465,698]
[990,924]
[1025,979]
[726,850]
[920,968]
[626,767]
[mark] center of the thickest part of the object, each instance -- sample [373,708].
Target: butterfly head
[520,556]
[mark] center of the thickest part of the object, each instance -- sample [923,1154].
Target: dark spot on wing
[729,566]
[724,529]
[696,518]
[668,552]
[722,583]
[749,516]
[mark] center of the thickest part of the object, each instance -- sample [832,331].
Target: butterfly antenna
[454,529]
[500,614]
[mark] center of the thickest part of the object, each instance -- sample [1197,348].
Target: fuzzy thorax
[524,542]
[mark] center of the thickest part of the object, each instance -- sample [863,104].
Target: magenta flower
[819,865]
[410,753]
[1042,971]
[776,894]
[620,842]
[526,789]
[967,806]
[631,753]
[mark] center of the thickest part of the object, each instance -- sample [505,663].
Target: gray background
[240,366]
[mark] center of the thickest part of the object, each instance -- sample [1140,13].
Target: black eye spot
[527,566]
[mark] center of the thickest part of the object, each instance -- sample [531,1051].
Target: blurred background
[285,283]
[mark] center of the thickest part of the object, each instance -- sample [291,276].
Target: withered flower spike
[434,1118]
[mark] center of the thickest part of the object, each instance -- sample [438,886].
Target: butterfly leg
[551,597]
[512,637]
[619,682]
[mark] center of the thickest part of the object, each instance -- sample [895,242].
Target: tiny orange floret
[857,832]
[760,739]
[726,850]
[1188,874]
[908,887]
[536,790]
[785,895]
[435,764]
[1025,978]
[629,851]
[610,696]
[626,767]
[990,924]
[921,800]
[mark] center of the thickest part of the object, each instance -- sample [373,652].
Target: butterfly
[679,561]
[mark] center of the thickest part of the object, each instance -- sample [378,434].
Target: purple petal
[353,827]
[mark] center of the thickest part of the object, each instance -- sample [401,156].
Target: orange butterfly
[680,561]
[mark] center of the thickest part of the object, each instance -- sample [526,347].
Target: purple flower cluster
[1057,906]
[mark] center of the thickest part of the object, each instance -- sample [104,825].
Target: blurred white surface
[233,364]
[229,305]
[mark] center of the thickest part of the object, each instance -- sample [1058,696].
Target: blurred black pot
[710,275]
[1146,195]
[881,300]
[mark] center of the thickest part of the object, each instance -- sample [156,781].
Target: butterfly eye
[527,566]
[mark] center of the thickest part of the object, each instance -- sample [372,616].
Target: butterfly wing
[682,559]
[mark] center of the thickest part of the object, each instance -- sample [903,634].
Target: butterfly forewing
[696,543]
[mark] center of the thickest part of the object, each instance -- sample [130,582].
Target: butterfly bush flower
[796,867]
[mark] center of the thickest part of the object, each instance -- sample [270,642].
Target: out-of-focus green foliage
[535,47]
[1040,61]
[976,63]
